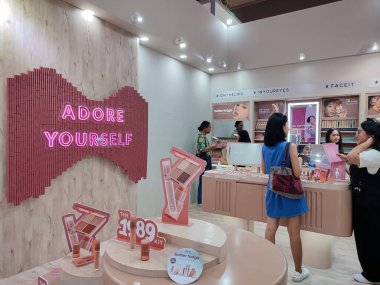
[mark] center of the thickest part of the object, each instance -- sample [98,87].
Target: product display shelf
[249,257]
[259,130]
[208,239]
[346,126]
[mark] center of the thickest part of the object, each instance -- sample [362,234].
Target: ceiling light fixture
[224,64]
[209,59]
[240,66]
[183,56]
[302,56]
[4,12]
[211,69]
[88,15]
[375,47]
[180,42]
[144,39]
[136,18]
[229,22]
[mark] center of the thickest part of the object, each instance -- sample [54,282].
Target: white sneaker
[298,277]
[360,278]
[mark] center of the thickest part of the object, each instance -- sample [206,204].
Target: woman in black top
[365,181]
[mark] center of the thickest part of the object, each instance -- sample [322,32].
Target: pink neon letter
[110,114]
[83,113]
[78,141]
[51,138]
[120,139]
[128,138]
[112,139]
[94,139]
[61,139]
[104,138]
[68,112]
[120,115]
[99,117]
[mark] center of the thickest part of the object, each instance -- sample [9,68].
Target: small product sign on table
[185,266]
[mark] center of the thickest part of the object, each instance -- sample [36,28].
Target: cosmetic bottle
[97,253]
[337,174]
[133,232]
[76,249]
[73,237]
[145,248]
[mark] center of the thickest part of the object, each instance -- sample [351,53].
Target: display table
[229,258]
[84,275]
[242,194]
[249,257]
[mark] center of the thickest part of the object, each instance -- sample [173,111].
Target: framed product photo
[373,105]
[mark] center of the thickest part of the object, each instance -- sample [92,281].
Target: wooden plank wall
[98,58]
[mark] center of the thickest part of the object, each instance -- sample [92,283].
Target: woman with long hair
[243,136]
[278,206]
[334,136]
[365,181]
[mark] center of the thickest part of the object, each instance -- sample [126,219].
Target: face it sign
[51,126]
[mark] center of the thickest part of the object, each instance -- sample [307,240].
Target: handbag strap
[286,151]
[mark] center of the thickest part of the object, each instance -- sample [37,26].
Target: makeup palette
[184,170]
[86,226]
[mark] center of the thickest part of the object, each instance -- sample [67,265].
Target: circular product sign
[185,266]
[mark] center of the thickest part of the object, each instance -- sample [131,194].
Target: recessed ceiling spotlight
[211,69]
[240,66]
[374,47]
[209,59]
[180,42]
[88,15]
[302,56]
[136,18]
[223,64]
[183,56]
[144,39]
[229,22]
[4,11]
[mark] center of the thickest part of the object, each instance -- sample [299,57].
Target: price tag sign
[145,229]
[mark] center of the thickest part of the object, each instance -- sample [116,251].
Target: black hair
[339,143]
[372,128]
[326,102]
[237,123]
[308,119]
[244,136]
[274,131]
[205,124]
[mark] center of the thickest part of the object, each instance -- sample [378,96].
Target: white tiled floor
[344,265]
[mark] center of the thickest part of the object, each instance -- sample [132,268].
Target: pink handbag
[282,181]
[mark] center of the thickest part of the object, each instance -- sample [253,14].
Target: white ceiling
[338,29]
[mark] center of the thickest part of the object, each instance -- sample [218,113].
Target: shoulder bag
[282,180]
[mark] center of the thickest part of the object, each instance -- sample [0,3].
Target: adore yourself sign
[51,126]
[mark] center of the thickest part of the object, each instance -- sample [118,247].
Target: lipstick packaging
[97,253]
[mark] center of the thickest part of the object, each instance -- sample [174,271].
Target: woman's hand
[342,156]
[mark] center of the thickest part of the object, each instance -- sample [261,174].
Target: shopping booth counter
[242,194]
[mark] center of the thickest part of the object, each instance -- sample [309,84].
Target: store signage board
[52,125]
[185,266]
[145,229]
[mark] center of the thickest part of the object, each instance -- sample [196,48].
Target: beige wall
[97,58]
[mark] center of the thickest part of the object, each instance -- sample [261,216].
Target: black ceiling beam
[270,8]
[212,9]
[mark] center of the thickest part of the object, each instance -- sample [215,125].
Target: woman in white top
[365,186]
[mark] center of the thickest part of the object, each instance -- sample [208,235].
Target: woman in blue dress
[278,206]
